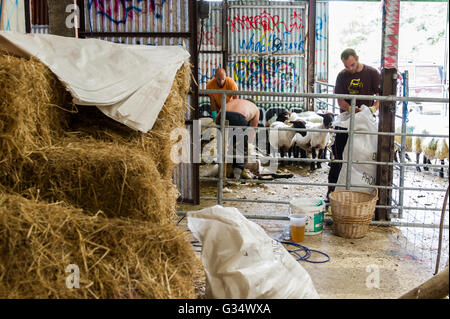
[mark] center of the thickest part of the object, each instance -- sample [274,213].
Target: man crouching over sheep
[240,113]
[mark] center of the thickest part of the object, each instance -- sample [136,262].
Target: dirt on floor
[376,266]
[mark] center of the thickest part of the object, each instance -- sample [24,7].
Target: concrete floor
[376,266]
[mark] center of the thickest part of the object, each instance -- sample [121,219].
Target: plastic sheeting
[127,83]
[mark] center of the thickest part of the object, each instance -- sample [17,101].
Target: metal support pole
[225,35]
[445,95]
[194,114]
[403,144]
[223,147]
[350,145]
[334,106]
[27,16]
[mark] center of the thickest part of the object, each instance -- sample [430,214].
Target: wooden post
[311,55]
[386,143]
[389,61]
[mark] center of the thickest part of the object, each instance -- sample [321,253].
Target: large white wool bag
[242,261]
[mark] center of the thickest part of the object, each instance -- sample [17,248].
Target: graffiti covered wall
[138,16]
[266,49]
[267,46]
[12,15]
[266,74]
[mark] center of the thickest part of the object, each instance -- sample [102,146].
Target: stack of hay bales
[79,188]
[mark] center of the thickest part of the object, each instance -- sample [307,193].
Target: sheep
[415,144]
[283,139]
[315,141]
[281,117]
[273,114]
[431,147]
[307,116]
[436,148]
[408,143]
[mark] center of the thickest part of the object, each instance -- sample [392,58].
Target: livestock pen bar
[349,162]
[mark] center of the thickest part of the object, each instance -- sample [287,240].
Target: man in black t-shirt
[357,79]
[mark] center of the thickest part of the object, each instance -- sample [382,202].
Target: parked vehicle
[425,80]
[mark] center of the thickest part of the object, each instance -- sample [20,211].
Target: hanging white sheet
[129,83]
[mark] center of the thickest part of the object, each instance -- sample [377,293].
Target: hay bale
[96,176]
[110,188]
[91,122]
[32,127]
[36,111]
[31,98]
[117,258]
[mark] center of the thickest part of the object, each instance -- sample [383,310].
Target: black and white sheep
[282,139]
[315,143]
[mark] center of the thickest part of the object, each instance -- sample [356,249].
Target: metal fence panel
[207,63]
[266,44]
[12,16]
[262,29]
[283,74]
[321,66]
[137,16]
[211,32]
[43,29]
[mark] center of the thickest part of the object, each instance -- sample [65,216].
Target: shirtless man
[240,113]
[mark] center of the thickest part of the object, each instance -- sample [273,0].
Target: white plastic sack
[364,149]
[242,261]
[129,83]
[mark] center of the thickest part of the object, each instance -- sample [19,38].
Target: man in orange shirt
[220,82]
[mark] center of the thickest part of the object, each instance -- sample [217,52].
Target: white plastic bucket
[313,210]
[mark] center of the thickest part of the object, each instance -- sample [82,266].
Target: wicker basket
[352,212]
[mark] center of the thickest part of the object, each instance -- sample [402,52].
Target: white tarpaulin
[129,83]
[242,261]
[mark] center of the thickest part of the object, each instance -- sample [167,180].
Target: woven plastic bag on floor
[242,261]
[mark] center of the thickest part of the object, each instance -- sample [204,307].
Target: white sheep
[310,116]
[431,147]
[315,141]
[283,139]
[436,148]
[408,143]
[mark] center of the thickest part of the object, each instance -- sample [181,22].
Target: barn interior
[78,187]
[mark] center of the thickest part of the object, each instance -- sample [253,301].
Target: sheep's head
[299,124]
[283,116]
[328,119]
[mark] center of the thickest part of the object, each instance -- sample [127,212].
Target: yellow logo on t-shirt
[355,86]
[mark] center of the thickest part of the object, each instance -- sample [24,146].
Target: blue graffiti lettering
[271,43]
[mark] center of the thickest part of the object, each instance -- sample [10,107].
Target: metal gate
[397,204]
